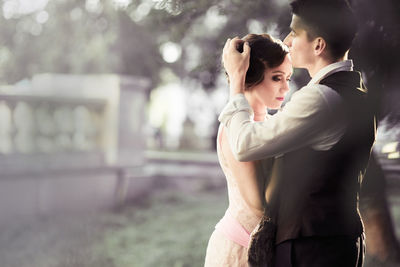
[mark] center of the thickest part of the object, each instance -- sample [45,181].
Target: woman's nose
[285,87]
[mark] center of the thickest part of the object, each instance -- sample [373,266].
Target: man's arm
[300,123]
[236,65]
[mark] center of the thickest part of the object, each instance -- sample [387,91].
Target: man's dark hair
[332,20]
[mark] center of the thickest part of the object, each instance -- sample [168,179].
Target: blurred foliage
[126,37]
[376,52]
[100,36]
[72,40]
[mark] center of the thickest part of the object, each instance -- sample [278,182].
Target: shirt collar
[346,65]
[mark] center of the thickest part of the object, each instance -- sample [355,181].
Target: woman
[266,85]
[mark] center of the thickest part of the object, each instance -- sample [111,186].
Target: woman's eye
[276,78]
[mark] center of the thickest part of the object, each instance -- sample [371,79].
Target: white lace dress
[221,251]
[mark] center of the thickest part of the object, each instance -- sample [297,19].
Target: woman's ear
[319,45]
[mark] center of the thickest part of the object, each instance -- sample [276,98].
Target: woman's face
[272,90]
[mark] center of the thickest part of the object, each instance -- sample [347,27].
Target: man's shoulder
[318,93]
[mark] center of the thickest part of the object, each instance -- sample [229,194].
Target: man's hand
[236,64]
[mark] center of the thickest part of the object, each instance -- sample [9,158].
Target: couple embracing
[294,177]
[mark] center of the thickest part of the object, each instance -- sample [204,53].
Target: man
[322,138]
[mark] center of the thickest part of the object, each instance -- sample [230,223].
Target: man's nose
[287,41]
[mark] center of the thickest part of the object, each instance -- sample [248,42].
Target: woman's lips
[280,98]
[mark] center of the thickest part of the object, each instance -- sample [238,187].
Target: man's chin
[298,66]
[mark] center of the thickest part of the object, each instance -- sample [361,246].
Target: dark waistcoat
[318,190]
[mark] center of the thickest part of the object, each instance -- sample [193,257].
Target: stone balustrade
[66,141]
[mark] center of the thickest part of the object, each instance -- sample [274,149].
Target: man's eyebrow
[278,71]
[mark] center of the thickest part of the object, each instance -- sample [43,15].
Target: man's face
[301,49]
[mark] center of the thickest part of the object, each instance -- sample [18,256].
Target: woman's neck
[258,107]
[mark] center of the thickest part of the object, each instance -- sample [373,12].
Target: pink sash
[233,230]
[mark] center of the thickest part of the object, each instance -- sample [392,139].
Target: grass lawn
[170,228]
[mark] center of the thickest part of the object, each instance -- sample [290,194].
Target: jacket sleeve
[299,123]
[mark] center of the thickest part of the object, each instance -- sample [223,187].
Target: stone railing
[40,128]
[31,125]
[67,142]
[63,122]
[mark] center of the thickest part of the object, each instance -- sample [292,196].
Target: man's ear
[319,45]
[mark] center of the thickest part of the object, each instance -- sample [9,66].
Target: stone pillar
[132,120]
[87,131]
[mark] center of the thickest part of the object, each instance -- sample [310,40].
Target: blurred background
[108,119]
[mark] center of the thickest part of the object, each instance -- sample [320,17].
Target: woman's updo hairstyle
[266,52]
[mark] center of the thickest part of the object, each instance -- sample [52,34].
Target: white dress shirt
[311,118]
